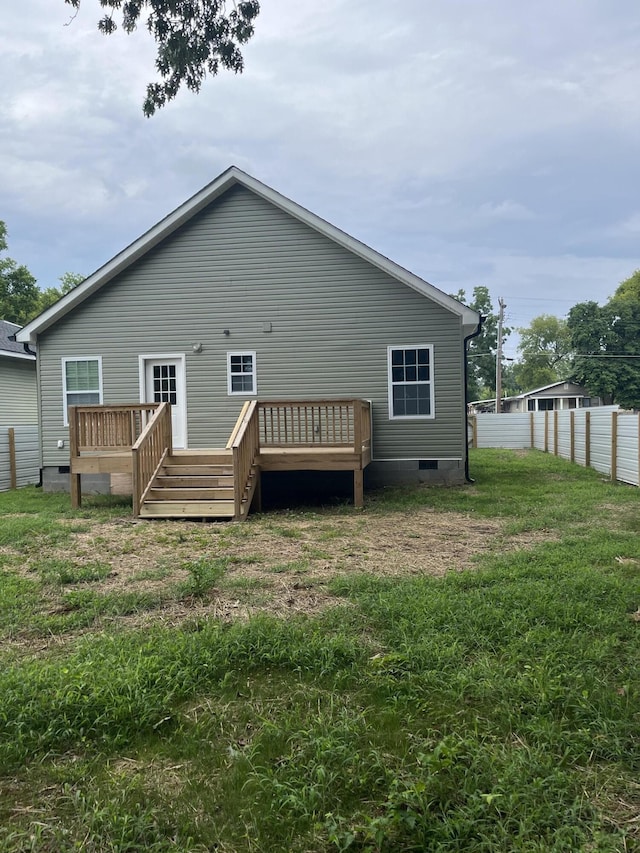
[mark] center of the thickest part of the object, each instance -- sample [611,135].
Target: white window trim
[391,383]
[65,407]
[254,374]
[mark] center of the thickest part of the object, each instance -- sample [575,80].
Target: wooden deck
[325,435]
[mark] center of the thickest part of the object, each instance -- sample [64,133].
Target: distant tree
[482,349]
[545,352]
[606,340]
[68,281]
[194,38]
[629,289]
[19,294]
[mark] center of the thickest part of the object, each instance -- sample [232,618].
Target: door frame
[181,377]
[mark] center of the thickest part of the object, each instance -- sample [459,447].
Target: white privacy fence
[19,457]
[603,438]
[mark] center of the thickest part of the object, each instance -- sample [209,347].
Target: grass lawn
[446,670]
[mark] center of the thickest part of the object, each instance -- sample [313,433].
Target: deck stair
[192,484]
[135,439]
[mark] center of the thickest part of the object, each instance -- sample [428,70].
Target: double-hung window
[411,381]
[241,373]
[81,382]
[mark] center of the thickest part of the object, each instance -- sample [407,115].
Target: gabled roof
[544,388]
[194,205]
[10,348]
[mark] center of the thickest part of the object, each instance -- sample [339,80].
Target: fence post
[614,446]
[13,473]
[572,436]
[555,433]
[587,440]
[474,431]
[546,432]
[532,429]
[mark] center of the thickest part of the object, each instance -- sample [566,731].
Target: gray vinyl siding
[18,392]
[237,265]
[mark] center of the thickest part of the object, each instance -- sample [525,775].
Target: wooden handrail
[245,445]
[239,422]
[96,428]
[149,452]
[315,423]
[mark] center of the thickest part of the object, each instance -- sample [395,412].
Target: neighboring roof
[194,205]
[530,393]
[545,388]
[9,348]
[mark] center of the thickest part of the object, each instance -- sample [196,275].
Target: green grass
[490,710]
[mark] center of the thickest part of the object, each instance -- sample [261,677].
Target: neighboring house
[18,389]
[241,294]
[550,398]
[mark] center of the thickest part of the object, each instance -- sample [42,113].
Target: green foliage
[482,348]
[19,294]
[20,298]
[545,352]
[605,339]
[193,39]
[68,281]
[629,289]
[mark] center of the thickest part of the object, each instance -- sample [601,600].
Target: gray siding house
[242,294]
[551,398]
[18,389]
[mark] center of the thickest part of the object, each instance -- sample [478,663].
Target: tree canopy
[607,342]
[19,293]
[545,352]
[20,297]
[482,348]
[193,37]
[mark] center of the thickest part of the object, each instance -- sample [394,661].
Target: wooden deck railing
[95,428]
[149,452]
[309,423]
[245,444]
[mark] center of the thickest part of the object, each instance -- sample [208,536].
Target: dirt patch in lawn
[280,563]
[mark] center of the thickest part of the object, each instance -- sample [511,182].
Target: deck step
[188,509]
[198,493]
[204,481]
[200,457]
[171,470]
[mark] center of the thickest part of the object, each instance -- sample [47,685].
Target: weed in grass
[285,532]
[30,533]
[63,572]
[204,574]
[117,817]
[311,552]
[154,573]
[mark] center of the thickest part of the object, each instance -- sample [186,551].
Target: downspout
[466,398]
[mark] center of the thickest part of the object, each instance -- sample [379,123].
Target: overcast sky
[476,143]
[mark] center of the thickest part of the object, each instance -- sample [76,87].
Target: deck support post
[358,488]
[76,490]
[257,495]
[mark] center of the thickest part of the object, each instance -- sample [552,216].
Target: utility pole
[502,305]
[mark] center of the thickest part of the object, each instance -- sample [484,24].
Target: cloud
[490,143]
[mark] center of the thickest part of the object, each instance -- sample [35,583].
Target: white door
[164,383]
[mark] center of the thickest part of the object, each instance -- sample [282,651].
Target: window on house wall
[81,382]
[411,381]
[241,373]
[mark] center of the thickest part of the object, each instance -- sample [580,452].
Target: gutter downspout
[466,397]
